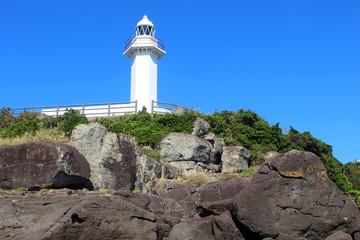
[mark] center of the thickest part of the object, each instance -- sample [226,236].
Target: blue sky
[293,62]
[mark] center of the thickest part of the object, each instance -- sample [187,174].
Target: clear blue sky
[293,62]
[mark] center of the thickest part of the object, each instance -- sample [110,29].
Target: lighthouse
[144,50]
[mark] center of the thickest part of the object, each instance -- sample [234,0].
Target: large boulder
[57,215]
[42,165]
[185,147]
[112,157]
[235,159]
[292,194]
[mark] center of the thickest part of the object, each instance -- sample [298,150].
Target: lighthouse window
[145,30]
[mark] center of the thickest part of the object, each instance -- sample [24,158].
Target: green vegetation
[148,129]
[41,135]
[29,124]
[154,154]
[243,128]
[250,172]
[352,171]
[355,195]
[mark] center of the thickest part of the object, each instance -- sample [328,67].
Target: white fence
[97,109]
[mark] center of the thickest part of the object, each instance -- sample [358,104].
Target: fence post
[83,109]
[32,109]
[108,109]
[152,106]
[135,106]
[57,110]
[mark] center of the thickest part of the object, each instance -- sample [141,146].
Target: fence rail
[98,109]
[89,110]
[162,107]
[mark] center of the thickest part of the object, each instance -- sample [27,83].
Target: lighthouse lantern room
[144,50]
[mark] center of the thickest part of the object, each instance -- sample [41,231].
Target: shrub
[148,129]
[20,128]
[6,118]
[355,196]
[69,120]
[352,172]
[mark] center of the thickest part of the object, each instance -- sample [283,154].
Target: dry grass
[250,172]
[42,135]
[196,179]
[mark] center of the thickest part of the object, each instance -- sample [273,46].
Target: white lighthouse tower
[144,50]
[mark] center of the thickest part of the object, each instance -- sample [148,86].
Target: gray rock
[217,146]
[42,164]
[339,235]
[185,147]
[112,157]
[292,194]
[149,171]
[180,110]
[201,127]
[270,154]
[187,168]
[235,159]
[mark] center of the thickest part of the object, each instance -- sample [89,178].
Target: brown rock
[291,194]
[58,216]
[216,197]
[220,227]
[178,199]
[37,164]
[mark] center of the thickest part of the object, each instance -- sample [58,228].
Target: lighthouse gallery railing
[160,43]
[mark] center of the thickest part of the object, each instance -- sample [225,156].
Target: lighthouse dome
[145,27]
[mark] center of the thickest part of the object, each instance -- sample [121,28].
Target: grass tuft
[196,179]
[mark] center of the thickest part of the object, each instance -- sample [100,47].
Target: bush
[20,128]
[148,129]
[355,196]
[352,172]
[69,120]
[6,118]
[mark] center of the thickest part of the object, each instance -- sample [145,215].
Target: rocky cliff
[290,197]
